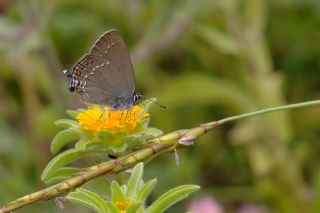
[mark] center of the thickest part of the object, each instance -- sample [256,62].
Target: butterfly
[105,75]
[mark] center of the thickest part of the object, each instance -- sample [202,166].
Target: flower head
[116,131]
[122,206]
[97,119]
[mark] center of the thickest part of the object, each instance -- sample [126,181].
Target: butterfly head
[73,81]
[137,98]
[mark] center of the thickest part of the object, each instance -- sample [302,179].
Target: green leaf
[105,135]
[116,193]
[62,159]
[66,123]
[62,138]
[123,189]
[116,143]
[62,174]
[97,145]
[138,139]
[133,208]
[83,144]
[89,199]
[147,103]
[141,126]
[134,180]
[145,190]
[73,113]
[80,199]
[153,132]
[134,141]
[172,196]
[100,185]
[120,139]
[112,207]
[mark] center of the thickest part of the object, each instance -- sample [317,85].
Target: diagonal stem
[268,110]
[153,148]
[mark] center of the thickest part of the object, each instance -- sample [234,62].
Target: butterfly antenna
[162,106]
[66,73]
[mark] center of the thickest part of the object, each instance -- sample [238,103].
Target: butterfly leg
[102,114]
[121,117]
[127,112]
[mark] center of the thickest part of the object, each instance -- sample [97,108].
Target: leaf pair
[132,197]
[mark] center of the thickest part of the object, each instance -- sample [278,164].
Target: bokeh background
[205,60]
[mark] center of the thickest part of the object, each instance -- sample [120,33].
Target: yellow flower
[97,119]
[122,205]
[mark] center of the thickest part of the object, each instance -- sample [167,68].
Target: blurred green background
[205,60]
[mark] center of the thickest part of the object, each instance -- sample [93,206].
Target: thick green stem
[153,148]
[110,167]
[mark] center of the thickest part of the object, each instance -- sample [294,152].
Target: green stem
[153,148]
[268,110]
[109,167]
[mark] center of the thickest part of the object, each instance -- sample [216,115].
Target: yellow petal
[95,119]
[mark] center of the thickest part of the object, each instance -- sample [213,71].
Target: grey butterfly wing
[106,73]
[86,82]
